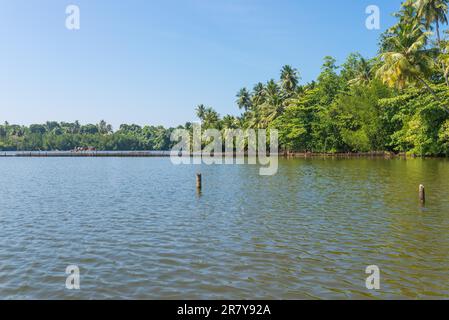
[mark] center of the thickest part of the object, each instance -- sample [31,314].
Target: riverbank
[373,154]
[376,154]
[85,154]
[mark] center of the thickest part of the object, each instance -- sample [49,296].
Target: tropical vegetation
[397,101]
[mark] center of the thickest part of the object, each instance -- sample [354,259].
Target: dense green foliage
[68,136]
[397,101]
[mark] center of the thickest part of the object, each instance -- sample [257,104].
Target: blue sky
[152,62]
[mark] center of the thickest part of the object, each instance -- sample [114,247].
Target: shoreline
[143,154]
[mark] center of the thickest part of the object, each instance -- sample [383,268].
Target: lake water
[137,228]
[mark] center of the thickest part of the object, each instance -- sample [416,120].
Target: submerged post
[422,194]
[198,181]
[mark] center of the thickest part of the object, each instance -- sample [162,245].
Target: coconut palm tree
[272,90]
[273,104]
[408,60]
[289,79]
[434,12]
[229,122]
[251,119]
[200,111]
[244,99]
[258,95]
[407,15]
[363,72]
[444,58]
[211,119]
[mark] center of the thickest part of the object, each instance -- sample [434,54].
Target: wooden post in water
[422,194]
[198,181]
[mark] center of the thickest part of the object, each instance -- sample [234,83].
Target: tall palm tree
[273,105]
[363,72]
[434,12]
[289,79]
[444,58]
[272,90]
[408,60]
[258,96]
[244,99]
[406,16]
[200,111]
[252,119]
[229,122]
[211,119]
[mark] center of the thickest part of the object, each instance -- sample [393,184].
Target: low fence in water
[168,154]
[85,154]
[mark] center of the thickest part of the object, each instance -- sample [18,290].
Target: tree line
[397,101]
[67,136]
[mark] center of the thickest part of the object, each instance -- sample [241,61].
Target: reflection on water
[137,228]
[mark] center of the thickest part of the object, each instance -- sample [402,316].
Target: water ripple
[137,229]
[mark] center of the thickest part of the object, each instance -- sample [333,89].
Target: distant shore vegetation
[397,101]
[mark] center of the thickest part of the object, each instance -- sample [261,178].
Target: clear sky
[152,62]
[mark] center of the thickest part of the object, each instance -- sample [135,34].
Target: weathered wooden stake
[198,181]
[422,193]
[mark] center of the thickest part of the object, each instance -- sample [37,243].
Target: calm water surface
[137,229]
